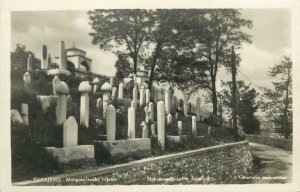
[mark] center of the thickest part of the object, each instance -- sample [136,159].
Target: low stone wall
[275,142]
[226,163]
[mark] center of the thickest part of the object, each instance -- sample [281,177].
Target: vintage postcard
[128,96]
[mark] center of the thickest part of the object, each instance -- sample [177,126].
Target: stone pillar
[30,62]
[106,88]
[111,123]
[131,123]
[61,90]
[44,64]
[144,130]
[85,88]
[27,79]
[114,93]
[25,113]
[148,95]
[142,96]
[112,81]
[153,129]
[179,127]
[194,126]
[62,56]
[161,124]
[198,108]
[55,83]
[120,93]
[151,111]
[147,118]
[96,82]
[169,119]
[134,95]
[70,132]
[167,101]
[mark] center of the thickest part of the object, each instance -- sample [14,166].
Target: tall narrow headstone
[153,129]
[147,92]
[131,123]
[194,125]
[85,88]
[27,79]
[25,113]
[133,104]
[144,130]
[151,111]
[61,90]
[134,95]
[112,81]
[179,127]
[120,93]
[142,96]
[70,132]
[62,56]
[96,82]
[30,62]
[114,93]
[169,119]
[147,118]
[106,88]
[198,108]
[161,123]
[55,83]
[167,101]
[44,58]
[111,123]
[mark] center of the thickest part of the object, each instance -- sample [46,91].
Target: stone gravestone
[194,126]
[131,122]
[111,123]
[144,130]
[169,119]
[153,129]
[114,93]
[85,88]
[16,117]
[106,88]
[151,111]
[27,79]
[208,130]
[25,113]
[147,96]
[179,127]
[112,81]
[61,90]
[96,82]
[198,108]
[120,93]
[70,132]
[161,123]
[30,62]
[99,104]
[134,95]
[147,118]
[55,82]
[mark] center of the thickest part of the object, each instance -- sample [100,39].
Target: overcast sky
[271,39]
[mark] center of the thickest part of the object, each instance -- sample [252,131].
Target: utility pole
[234,89]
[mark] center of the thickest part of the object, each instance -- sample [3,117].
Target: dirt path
[273,165]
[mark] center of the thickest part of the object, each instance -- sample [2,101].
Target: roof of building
[75,49]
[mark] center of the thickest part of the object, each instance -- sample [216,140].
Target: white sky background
[271,33]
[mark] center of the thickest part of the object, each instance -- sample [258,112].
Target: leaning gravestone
[70,132]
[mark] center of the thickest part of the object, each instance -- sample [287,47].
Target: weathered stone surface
[131,123]
[161,124]
[68,154]
[106,87]
[70,132]
[16,117]
[62,88]
[111,123]
[121,149]
[85,87]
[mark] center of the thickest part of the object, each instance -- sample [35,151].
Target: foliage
[277,102]
[247,104]
[123,67]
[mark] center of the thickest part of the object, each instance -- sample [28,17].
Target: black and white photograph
[151,96]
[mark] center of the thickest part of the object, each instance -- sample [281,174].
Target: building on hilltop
[76,59]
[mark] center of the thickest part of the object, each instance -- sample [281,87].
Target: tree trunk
[214,96]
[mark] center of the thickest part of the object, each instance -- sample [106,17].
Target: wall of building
[275,142]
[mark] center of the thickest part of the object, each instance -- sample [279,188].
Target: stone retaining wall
[226,163]
[275,142]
